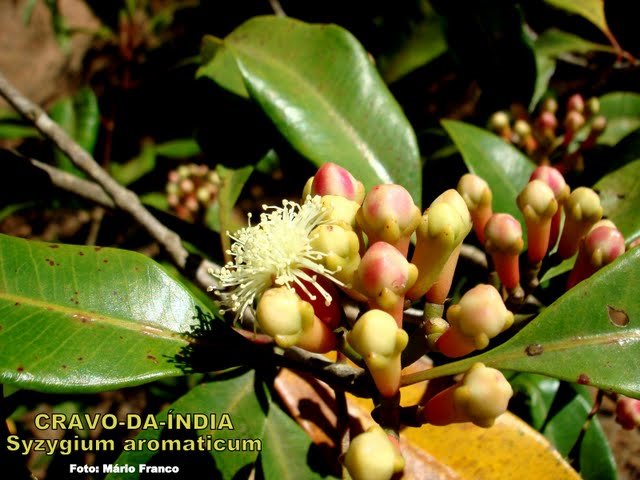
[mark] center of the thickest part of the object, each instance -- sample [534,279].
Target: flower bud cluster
[546,133]
[191,189]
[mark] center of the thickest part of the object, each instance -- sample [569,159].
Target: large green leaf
[236,397]
[286,448]
[567,416]
[545,68]
[501,165]
[83,319]
[219,64]
[622,110]
[318,86]
[592,10]
[590,335]
[554,42]
[620,196]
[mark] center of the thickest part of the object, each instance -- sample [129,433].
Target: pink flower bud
[332,179]
[628,412]
[575,103]
[480,397]
[373,456]
[388,214]
[504,243]
[442,229]
[478,197]
[538,205]
[547,122]
[552,177]
[601,246]
[384,276]
[377,337]
[479,316]
[581,210]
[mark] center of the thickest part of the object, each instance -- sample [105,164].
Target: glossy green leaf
[424,43]
[620,197]
[590,335]
[554,42]
[592,10]
[181,148]
[80,117]
[540,391]
[136,168]
[318,86]
[86,319]
[501,165]
[622,110]
[563,267]
[235,397]
[563,428]
[286,449]
[219,65]
[232,182]
[545,67]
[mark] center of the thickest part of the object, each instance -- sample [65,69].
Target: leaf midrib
[264,57]
[76,313]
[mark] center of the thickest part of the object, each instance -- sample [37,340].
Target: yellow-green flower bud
[372,456]
[377,338]
[538,205]
[442,228]
[480,314]
[341,211]
[481,397]
[477,195]
[582,209]
[282,315]
[341,248]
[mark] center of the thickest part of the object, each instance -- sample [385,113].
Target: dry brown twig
[119,196]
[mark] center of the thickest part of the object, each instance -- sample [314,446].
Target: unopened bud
[601,246]
[481,397]
[284,316]
[332,179]
[504,243]
[538,205]
[479,316]
[377,338]
[573,122]
[372,456]
[628,412]
[384,276]
[499,123]
[341,248]
[442,229]
[549,105]
[575,103]
[593,106]
[433,329]
[477,195]
[388,214]
[552,177]
[329,312]
[582,209]
[341,211]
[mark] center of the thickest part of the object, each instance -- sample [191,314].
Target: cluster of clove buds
[191,189]
[547,140]
[300,263]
